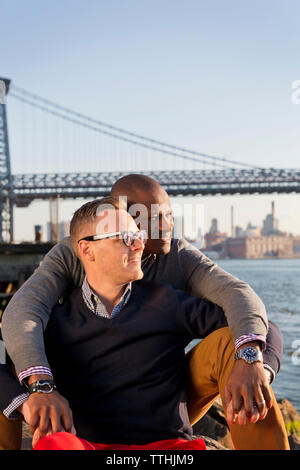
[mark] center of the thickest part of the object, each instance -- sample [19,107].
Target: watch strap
[41,386]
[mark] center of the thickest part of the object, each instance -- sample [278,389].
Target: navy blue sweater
[125,378]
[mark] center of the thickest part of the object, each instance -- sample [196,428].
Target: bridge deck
[28,187]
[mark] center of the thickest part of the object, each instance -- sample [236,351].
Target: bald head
[135,187]
[150,206]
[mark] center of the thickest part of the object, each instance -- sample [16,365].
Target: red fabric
[67,441]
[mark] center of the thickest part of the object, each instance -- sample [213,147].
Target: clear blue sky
[213,75]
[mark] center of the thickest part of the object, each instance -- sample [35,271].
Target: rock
[213,425]
[26,437]
[288,411]
[291,417]
[294,442]
[211,444]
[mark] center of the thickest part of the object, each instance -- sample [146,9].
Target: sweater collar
[95,304]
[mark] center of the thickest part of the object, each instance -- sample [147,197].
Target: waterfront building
[270,224]
[214,237]
[260,247]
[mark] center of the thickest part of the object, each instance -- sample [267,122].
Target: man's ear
[85,250]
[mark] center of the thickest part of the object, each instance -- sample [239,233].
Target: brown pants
[210,364]
[10,433]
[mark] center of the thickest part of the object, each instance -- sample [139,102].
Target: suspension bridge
[57,152]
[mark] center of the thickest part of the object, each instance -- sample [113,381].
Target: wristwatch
[42,386]
[249,354]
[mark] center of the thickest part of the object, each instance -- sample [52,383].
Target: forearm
[24,321]
[244,310]
[27,314]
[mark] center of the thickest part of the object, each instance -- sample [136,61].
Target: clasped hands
[247,394]
[247,398]
[47,414]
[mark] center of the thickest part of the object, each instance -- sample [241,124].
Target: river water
[277,282]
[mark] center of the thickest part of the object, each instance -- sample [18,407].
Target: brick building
[260,247]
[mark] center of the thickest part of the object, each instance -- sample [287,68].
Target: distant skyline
[219,207]
[286,211]
[256,219]
[217,77]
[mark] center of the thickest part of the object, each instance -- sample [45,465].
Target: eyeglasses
[127,237]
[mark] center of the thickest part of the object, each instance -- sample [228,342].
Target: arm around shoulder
[244,310]
[27,313]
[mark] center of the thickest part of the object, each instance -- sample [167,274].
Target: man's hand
[247,391]
[241,418]
[47,413]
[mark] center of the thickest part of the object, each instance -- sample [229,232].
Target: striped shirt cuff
[11,410]
[35,370]
[272,372]
[248,338]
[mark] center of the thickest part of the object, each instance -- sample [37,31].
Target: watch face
[46,387]
[250,354]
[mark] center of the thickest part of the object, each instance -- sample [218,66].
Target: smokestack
[232,223]
[273,210]
[38,233]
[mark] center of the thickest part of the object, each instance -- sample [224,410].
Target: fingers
[237,402]
[32,429]
[248,388]
[256,403]
[39,432]
[244,407]
[260,406]
[267,395]
[53,418]
[73,430]
[36,437]
[47,413]
[232,410]
[263,399]
[255,415]
[67,419]
[44,422]
[241,417]
[228,406]
[251,409]
[231,417]
[249,404]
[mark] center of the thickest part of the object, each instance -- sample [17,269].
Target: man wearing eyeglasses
[116,348]
[177,263]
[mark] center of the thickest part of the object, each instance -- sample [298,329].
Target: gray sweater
[27,314]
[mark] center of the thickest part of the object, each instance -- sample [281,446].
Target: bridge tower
[6,186]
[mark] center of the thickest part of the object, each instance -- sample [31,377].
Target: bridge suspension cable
[119,133]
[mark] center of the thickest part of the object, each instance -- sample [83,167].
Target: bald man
[164,259]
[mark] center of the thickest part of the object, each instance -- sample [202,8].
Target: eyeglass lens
[130,237]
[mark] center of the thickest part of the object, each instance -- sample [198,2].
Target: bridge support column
[6,186]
